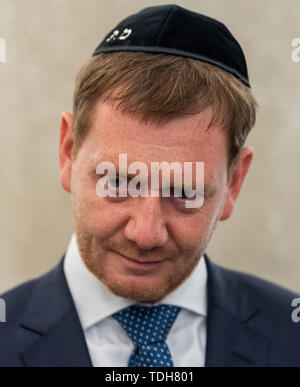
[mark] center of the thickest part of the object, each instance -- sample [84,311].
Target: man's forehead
[114,158]
[177,141]
[113,126]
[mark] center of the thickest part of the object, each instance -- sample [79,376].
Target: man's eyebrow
[128,175]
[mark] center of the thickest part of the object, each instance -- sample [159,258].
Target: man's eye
[185,197]
[114,182]
[118,182]
[182,194]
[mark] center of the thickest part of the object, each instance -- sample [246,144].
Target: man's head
[154,108]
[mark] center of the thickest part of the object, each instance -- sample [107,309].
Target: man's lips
[139,264]
[138,260]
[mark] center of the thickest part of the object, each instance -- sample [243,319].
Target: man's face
[168,238]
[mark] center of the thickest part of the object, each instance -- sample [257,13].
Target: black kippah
[173,30]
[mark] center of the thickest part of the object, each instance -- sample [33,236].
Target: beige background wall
[47,42]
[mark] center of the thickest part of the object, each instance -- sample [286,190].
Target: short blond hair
[159,87]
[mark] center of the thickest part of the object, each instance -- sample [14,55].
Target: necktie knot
[148,328]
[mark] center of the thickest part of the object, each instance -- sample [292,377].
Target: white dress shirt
[108,343]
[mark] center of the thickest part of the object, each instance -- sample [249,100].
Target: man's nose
[147,226]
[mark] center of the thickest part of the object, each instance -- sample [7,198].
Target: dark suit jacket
[249,323]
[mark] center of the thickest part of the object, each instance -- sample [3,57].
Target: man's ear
[65,150]
[237,178]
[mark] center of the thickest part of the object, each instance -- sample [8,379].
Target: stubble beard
[94,254]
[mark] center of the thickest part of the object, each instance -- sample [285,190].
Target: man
[135,287]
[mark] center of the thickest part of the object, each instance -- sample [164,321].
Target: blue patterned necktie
[148,328]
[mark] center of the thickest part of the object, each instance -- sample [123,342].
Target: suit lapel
[231,338]
[52,316]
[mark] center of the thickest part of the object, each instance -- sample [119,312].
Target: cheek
[84,199]
[196,230]
[94,215]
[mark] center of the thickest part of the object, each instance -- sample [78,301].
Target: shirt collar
[94,301]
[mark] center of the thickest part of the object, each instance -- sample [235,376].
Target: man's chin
[137,290]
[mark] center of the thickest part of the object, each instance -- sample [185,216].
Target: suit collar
[232,338]
[52,316]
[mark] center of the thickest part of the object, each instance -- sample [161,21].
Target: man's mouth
[140,264]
